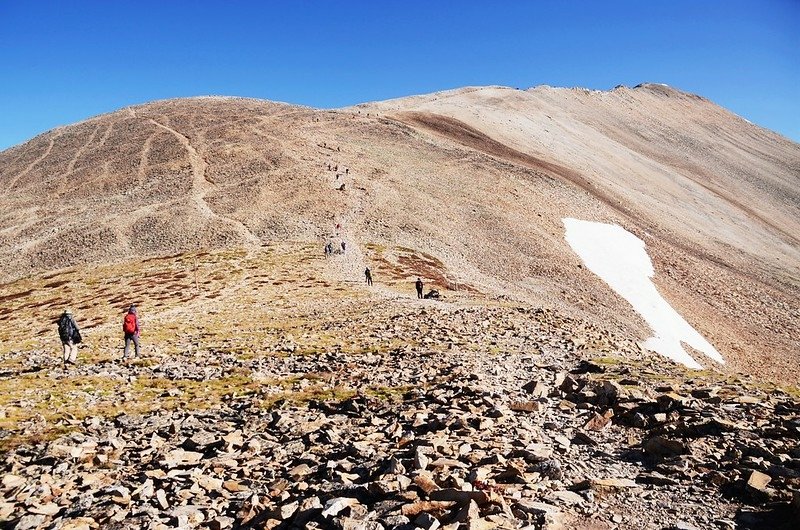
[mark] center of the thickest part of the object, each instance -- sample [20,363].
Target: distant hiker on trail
[344,247]
[130,326]
[347,171]
[70,337]
[419,285]
[368,275]
[328,249]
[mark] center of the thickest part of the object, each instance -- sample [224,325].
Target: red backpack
[129,324]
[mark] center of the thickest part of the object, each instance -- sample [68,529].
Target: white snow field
[620,259]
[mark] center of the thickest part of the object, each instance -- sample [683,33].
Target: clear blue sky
[63,61]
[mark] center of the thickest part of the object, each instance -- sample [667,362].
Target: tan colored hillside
[473,183]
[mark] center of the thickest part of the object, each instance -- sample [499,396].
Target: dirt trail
[201,184]
[53,138]
[349,265]
[71,166]
[144,158]
[106,135]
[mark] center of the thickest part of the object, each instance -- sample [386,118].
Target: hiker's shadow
[10,373]
[4,374]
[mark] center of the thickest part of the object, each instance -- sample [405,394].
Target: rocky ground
[271,394]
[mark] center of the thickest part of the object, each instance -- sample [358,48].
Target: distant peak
[663,89]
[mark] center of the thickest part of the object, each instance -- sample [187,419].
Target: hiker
[347,171]
[70,337]
[419,285]
[344,247]
[328,249]
[130,326]
[368,275]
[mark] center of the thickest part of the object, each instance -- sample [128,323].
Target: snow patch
[620,259]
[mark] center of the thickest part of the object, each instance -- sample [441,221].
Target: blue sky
[64,61]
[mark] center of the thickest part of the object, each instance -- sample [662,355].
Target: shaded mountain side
[478,180]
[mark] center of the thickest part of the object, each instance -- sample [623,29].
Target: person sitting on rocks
[70,337]
[130,327]
[420,286]
[368,275]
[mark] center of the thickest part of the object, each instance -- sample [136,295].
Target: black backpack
[65,327]
[68,331]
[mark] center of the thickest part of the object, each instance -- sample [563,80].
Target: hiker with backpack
[70,337]
[368,275]
[420,286]
[130,326]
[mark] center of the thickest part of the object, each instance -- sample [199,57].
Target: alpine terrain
[609,335]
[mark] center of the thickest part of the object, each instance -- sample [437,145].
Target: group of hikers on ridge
[329,251]
[70,335]
[418,285]
[329,248]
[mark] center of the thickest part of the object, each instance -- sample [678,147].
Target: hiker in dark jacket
[368,275]
[130,326]
[70,337]
[419,285]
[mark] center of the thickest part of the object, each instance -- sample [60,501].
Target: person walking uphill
[419,285]
[130,326]
[70,337]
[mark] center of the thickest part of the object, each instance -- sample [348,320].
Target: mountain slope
[475,182]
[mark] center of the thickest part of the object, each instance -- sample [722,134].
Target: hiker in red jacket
[130,326]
